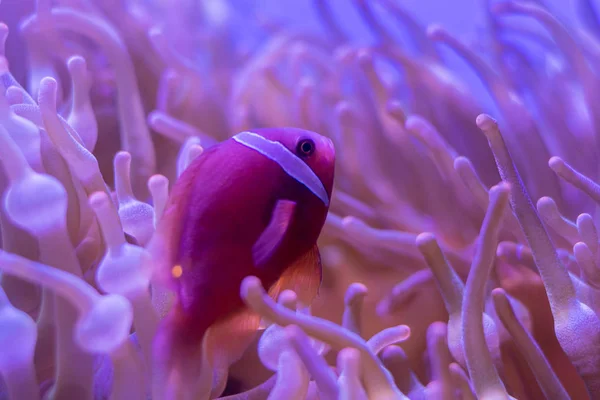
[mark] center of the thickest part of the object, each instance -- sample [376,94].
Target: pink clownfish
[254,204]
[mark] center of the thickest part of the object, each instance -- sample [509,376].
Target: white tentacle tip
[556,163]
[48,83]
[122,157]
[157,182]
[425,239]
[355,292]
[98,200]
[288,298]
[486,123]
[435,32]
[252,290]
[77,64]
[106,326]
[500,190]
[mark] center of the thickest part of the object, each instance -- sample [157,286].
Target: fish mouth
[327,165]
[330,148]
[330,143]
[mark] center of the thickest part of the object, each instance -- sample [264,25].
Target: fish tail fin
[193,357]
[182,370]
[225,343]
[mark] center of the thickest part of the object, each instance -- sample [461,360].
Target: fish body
[253,205]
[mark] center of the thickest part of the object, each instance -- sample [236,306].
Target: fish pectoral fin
[303,277]
[273,234]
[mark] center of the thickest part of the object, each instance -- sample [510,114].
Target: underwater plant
[460,251]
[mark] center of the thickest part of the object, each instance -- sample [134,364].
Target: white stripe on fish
[291,164]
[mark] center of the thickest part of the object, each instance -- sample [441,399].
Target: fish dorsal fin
[269,240]
[303,277]
[164,243]
[162,251]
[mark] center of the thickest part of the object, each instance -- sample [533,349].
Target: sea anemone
[442,278]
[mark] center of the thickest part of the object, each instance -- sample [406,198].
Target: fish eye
[305,147]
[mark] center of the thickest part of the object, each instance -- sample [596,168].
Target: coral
[460,254]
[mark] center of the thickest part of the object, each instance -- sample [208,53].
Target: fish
[254,204]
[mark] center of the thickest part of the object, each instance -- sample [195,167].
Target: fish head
[315,150]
